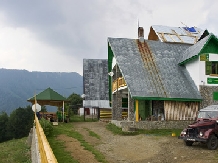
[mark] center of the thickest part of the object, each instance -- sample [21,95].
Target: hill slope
[16,86]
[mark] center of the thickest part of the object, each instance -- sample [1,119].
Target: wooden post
[63,111]
[137,110]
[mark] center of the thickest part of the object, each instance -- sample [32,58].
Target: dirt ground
[135,149]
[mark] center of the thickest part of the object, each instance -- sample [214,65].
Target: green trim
[165,99]
[209,47]
[188,60]
[110,59]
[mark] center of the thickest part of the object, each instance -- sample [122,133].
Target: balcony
[118,83]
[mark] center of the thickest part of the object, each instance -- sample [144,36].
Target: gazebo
[49,97]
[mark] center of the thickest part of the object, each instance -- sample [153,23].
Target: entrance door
[144,108]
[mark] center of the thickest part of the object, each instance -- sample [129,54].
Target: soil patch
[136,149]
[77,151]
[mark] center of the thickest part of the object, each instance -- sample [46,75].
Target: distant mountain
[16,86]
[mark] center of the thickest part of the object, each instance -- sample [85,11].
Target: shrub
[47,126]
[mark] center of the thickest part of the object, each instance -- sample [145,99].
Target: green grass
[77,118]
[157,132]
[93,134]
[15,151]
[58,147]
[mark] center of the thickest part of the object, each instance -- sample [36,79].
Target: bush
[47,126]
[3,126]
[19,123]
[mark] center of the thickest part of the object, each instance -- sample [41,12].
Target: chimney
[141,34]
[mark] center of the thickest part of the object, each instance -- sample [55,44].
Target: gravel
[143,148]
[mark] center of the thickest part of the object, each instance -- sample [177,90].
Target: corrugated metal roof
[178,34]
[151,69]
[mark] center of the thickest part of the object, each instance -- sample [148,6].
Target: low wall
[33,142]
[153,124]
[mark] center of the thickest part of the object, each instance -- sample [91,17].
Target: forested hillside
[16,86]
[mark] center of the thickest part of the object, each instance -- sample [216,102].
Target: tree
[20,122]
[76,101]
[43,108]
[3,126]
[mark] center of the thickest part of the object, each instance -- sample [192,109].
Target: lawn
[15,151]
[59,150]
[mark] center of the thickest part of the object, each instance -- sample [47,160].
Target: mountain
[16,86]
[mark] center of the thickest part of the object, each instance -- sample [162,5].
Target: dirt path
[140,148]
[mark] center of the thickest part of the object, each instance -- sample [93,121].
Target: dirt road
[136,149]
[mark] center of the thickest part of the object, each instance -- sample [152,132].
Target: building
[169,76]
[95,84]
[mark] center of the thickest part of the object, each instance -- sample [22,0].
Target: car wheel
[189,143]
[212,143]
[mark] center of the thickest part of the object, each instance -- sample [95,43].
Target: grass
[77,118]
[157,132]
[93,134]
[16,151]
[58,147]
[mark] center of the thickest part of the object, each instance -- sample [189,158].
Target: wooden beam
[137,110]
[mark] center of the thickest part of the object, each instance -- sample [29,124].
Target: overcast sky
[56,35]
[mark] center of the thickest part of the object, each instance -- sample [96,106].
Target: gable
[211,46]
[207,45]
[150,69]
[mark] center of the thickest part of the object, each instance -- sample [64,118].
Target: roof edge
[165,99]
[195,56]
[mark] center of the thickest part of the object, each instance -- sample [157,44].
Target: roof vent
[141,34]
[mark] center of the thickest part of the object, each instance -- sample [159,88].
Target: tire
[188,143]
[212,143]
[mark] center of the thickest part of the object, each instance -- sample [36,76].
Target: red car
[204,129]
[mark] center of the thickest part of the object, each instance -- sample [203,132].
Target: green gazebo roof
[48,97]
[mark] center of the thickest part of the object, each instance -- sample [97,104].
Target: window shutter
[215,96]
[208,67]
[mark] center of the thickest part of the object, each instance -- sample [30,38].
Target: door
[144,108]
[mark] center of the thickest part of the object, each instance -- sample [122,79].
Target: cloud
[67,31]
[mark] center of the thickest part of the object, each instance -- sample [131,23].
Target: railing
[45,150]
[118,83]
[107,114]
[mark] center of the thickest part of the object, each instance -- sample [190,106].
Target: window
[211,67]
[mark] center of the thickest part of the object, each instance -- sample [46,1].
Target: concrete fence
[41,151]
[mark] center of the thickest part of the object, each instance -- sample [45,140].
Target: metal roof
[96,103]
[151,69]
[189,35]
[210,108]
[48,97]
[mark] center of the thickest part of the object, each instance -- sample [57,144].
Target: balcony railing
[118,83]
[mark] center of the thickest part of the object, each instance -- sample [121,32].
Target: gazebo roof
[48,97]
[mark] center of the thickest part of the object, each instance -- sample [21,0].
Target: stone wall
[130,108]
[117,106]
[207,95]
[153,124]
